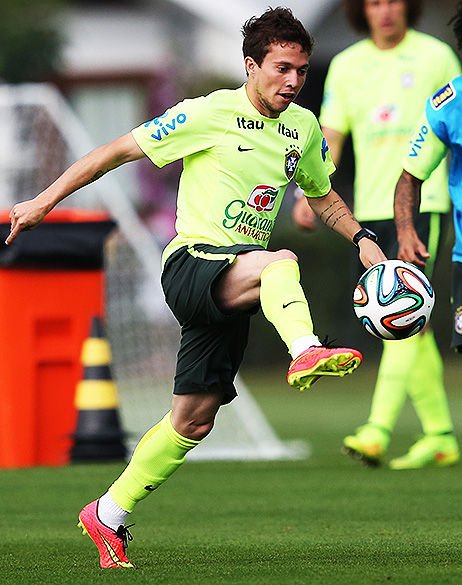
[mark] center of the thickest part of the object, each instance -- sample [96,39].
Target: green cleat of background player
[368,445]
[436,450]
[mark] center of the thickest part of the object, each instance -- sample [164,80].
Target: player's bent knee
[195,430]
[202,431]
[284,255]
[273,257]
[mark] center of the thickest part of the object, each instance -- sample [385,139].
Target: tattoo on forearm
[334,213]
[96,176]
[338,218]
[326,210]
[407,202]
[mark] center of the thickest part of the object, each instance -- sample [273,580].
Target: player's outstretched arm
[407,203]
[28,214]
[335,213]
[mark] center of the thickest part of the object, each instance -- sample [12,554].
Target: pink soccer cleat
[111,544]
[319,361]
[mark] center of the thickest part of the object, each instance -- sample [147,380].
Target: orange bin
[51,286]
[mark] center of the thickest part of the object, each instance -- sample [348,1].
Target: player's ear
[250,65]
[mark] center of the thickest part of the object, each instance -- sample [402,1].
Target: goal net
[40,137]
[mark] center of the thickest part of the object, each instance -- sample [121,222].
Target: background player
[374,90]
[438,130]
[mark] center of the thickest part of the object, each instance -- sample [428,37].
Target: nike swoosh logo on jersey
[241,149]
[285,305]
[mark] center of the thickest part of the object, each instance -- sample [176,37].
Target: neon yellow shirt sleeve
[177,133]
[311,175]
[335,112]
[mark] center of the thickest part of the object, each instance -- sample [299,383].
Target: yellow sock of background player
[393,378]
[426,388]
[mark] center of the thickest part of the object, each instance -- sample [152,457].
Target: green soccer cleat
[368,445]
[431,450]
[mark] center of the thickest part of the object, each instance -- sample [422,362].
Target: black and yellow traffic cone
[98,435]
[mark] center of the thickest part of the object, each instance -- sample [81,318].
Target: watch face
[364,233]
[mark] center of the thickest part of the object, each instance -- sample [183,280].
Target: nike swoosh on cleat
[112,552]
[242,149]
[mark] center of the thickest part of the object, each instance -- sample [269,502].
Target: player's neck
[385,43]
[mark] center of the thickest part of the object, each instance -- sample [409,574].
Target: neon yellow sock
[427,388]
[393,378]
[283,301]
[159,453]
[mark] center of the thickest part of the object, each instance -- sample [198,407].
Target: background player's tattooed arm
[407,201]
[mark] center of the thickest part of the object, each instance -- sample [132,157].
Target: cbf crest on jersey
[443,96]
[290,162]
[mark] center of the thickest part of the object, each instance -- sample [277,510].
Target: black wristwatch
[364,233]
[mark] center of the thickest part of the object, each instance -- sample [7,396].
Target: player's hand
[370,253]
[24,216]
[302,214]
[411,249]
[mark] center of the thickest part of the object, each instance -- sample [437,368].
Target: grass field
[325,520]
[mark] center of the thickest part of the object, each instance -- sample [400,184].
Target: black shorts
[429,228]
[456,340]
[212,343]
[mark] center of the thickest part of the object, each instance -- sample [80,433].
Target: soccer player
[375,90]
[240,150]
[438,131]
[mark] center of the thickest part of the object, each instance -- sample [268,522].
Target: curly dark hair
[354,11]
[276,25]
[456,21]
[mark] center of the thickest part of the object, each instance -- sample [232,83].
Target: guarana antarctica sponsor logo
[249,222]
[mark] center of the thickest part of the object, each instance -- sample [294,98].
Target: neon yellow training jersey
[237,165]
[378,96]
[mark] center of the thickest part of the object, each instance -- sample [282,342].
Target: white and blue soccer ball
[393,300]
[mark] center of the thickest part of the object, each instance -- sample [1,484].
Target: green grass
[325,520]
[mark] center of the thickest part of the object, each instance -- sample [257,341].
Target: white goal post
[40,137]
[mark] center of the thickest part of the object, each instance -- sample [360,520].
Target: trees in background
[30,44]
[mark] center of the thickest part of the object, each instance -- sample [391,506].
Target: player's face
[274,86]
[387,20]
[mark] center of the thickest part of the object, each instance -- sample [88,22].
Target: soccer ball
[393,300]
